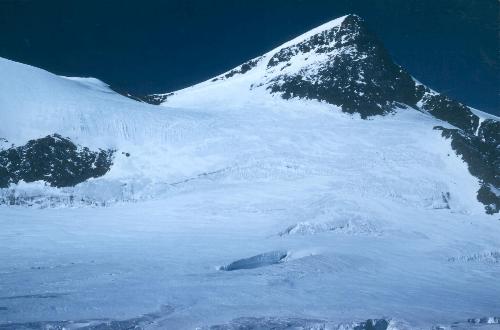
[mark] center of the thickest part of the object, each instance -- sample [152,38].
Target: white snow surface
[379,217]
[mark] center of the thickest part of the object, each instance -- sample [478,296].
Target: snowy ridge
[340,62]
[261,60]
[322,28]
[484,115]
[35,103]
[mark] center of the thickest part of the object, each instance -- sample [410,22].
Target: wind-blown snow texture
[316,186]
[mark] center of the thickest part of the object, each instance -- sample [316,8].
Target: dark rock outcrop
[53,159]
[155,99]
[242,69]
[450,111]
[359,74]
[482,155]
[372,324]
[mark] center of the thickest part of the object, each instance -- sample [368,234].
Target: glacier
[230,207]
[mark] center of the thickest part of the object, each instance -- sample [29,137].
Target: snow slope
[261,139]
[248,205]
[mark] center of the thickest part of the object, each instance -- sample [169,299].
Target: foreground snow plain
[127,260]
[237,204]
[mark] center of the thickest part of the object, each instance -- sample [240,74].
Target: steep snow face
[35,103]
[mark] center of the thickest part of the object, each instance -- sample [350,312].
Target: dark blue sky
[159,46]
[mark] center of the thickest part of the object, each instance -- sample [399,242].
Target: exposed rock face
[242,69]
[482,154]
[353,70]
[477,143]
[489,132]
[155,99]
[53,159]
[450,111]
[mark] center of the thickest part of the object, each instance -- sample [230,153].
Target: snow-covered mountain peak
[343,64]
[324,39]
[335,23]
[346,66]
[244,119]
[340,62]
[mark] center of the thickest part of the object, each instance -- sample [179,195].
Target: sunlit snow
[236,204]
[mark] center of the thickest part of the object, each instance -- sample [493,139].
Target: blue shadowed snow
[260,260]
